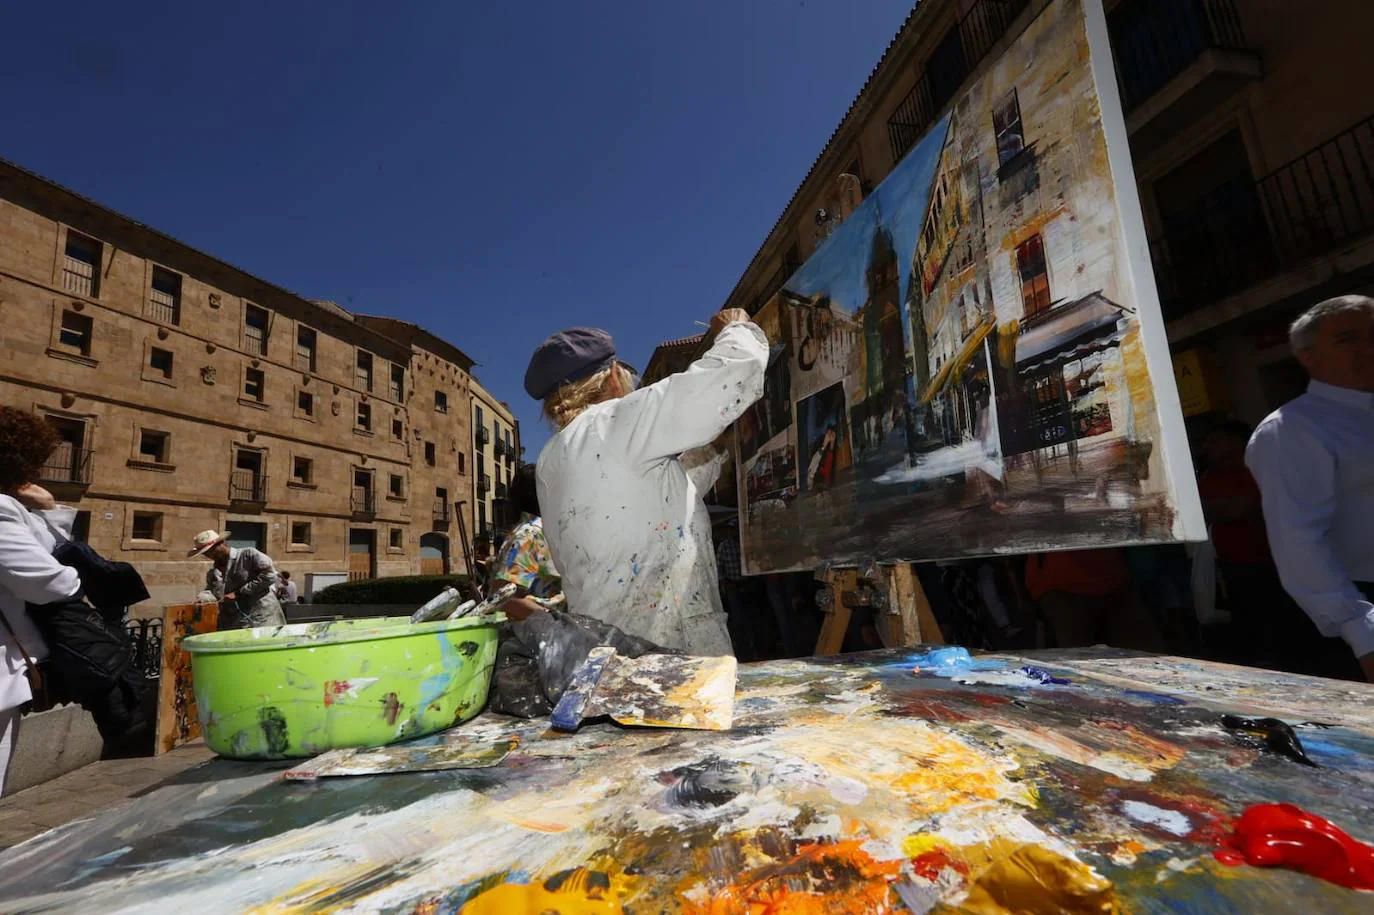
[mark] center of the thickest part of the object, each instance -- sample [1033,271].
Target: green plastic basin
[298,690]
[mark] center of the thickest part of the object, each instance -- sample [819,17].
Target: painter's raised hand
[725,317]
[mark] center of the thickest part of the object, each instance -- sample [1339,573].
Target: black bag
[109,585]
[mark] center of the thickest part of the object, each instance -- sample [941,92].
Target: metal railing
[247,486]
[364,501]
[1247,232]
[79,276]
[481,435]
[145,638]
[67,464]
[441,511]
[163,307]
[981,28]
[483,484]
[500,490]
[498,448]
[1155,40]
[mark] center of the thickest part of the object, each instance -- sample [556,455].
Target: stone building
[1253,160]
[495,456]
[192,395]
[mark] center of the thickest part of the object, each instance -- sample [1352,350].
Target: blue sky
[493,171]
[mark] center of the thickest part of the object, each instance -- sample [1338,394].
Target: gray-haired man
[243,578]
[1314,461]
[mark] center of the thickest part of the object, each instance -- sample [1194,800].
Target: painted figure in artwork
[622,482]
[821,472]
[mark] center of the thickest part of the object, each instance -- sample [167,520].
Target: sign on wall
[974,361]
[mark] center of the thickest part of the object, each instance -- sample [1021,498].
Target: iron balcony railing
[162,307]
[1155,40]
[78,276]
[145,638]
[498,448]
[500,490]
[441,511]
[962,50]
[68,464]
[483,484]
[364,501]
[1246,232]
[247,486]
[481,435]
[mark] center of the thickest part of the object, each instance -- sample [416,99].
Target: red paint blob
[929,864]
[1283,835]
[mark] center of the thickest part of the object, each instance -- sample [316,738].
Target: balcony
[79,276]
[481,436]
[163,307]
[1247,232]
[500,491]
[498,448]
[483,485]
[67,465]
[958,55]
[1176,60]
[247,486]
[363,501]
[442,513]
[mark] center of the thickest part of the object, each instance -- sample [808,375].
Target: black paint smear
[273,724]
[467,649]
[704,785]
[1278,736]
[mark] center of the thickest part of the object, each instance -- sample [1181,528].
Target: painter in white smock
[622,481]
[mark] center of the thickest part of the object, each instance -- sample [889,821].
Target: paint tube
[463,609]
[438,608]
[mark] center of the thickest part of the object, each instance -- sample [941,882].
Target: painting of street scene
[964,353]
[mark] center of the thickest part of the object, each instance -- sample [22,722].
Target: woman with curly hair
[622,480]
[30,525]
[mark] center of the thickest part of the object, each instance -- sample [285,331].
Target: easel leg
[909,620]
[837,613]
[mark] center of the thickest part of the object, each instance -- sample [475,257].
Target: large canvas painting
[974,361]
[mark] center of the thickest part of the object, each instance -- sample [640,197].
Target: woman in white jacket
[30,523]
[622,481]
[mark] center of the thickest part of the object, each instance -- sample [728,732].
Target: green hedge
[403,589]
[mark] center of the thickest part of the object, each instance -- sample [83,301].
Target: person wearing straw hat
[241,578]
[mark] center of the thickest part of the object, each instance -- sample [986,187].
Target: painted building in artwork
[192,395]
[1253,160]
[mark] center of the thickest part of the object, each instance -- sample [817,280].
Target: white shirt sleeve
[27,570]
[690,409]
[703,466]
[1297,480]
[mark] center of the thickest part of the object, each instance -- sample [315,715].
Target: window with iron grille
[75,332]
[364,370]
[255,329]
[305,348]
[164,298]
[147,526]
[1035,278]
[160,361]
[81,265]
[254,383]
[152,446]
[364,420]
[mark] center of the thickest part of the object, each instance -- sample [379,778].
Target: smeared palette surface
[841,781]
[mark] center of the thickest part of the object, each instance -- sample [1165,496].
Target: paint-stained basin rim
[332,632]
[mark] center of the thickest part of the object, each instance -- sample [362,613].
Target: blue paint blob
[1040,675]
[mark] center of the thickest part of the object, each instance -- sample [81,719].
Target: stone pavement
[89,790]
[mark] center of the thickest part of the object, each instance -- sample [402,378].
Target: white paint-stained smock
[622,502]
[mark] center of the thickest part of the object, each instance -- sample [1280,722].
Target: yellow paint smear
[580,892]
[1007,878]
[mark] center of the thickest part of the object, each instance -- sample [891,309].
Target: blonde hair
[568,401]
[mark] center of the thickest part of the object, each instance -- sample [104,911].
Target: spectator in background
[287,592]
[1087,598]
[1314,461]
[730,576]
[30,524]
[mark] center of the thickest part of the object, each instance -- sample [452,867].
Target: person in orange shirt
[1087,596]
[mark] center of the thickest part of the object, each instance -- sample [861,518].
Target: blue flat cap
[568,355]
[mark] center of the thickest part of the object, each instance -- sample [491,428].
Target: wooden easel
[903,610]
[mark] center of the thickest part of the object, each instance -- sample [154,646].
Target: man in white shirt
[1314,461]
[621,483]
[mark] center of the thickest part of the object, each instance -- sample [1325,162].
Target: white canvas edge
[1189,524]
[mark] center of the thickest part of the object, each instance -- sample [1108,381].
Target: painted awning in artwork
[955,367]
[1070,331]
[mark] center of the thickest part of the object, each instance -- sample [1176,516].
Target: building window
[160,361]
[305,402]
[152,446]
[302,470]
[429,453]
[394,538]
[164,298]
[441,401]
[255,322]
[1035,278]
[398,383]
[81,267]
[364,421]
[147,526]
[462,463]
[254,382]
[395,486]
[70,461]
[75,333]
[398,430]
[364,370]
[1006,124]
[300,533]
[305,348]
